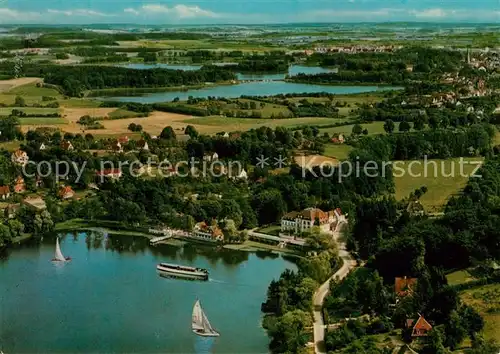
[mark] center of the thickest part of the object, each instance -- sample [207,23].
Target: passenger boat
[58,256]
[178,271]
[200,324]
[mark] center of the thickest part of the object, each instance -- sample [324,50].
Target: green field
[33,90]
[459,277]
[5,111]
[486,300]
[440,187]
[337,151]
[42,121]
[122,114]
[33,95]
[373,128]
[79,103]
[233,124]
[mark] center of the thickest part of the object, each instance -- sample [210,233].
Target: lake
[110,298]
[292,70]
[256,88]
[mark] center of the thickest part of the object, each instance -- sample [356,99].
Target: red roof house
[421,327]
[66,145]
[19,185]
[66,192]
[123,140]
[4,192]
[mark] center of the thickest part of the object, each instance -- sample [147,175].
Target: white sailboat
[200,324]
[58,256]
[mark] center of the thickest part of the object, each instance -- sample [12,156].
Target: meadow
[486,300]
[338,151]
[435,178]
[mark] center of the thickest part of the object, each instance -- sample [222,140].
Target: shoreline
[246,246]
[138,91]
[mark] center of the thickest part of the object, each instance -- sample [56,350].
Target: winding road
[319,296]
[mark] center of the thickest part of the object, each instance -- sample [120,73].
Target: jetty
[163,235]
[159,239]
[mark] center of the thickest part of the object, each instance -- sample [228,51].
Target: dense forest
[74,80]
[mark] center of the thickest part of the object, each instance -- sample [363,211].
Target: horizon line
[443,22]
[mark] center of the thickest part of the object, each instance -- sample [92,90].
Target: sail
[197,319]
[58,255]
[207,327]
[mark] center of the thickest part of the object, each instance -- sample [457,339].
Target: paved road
[320,294]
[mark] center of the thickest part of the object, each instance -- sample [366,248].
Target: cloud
[431,13]
[180,11]
[78,12]
[131,11]
[11,15]
[345,14]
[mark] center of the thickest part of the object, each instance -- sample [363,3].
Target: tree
[19,102]
[16,227]
[132,127]
[357,129]
[404,126]
[167,133]
[418,123]
[289,334]
[191,131]
[389,126]
[455,331]
[436,340]
[474,323]
[5,235]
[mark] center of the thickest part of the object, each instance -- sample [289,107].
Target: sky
[245,11]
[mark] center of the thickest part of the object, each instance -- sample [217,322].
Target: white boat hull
[179,273]
[204,334]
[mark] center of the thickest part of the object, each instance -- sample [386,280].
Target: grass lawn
[486,300]
[273,230]
[252,246]
[5,111]
[42,121]
[459,277]
[440,187]
[337,151]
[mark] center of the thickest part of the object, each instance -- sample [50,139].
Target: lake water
[293,70]
[109,299]
[256,88]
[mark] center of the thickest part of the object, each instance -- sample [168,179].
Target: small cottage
[66,145]
[66,192]
[4,192]
[19,185]
[420,328]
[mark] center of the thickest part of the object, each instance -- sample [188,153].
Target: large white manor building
[302,221]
